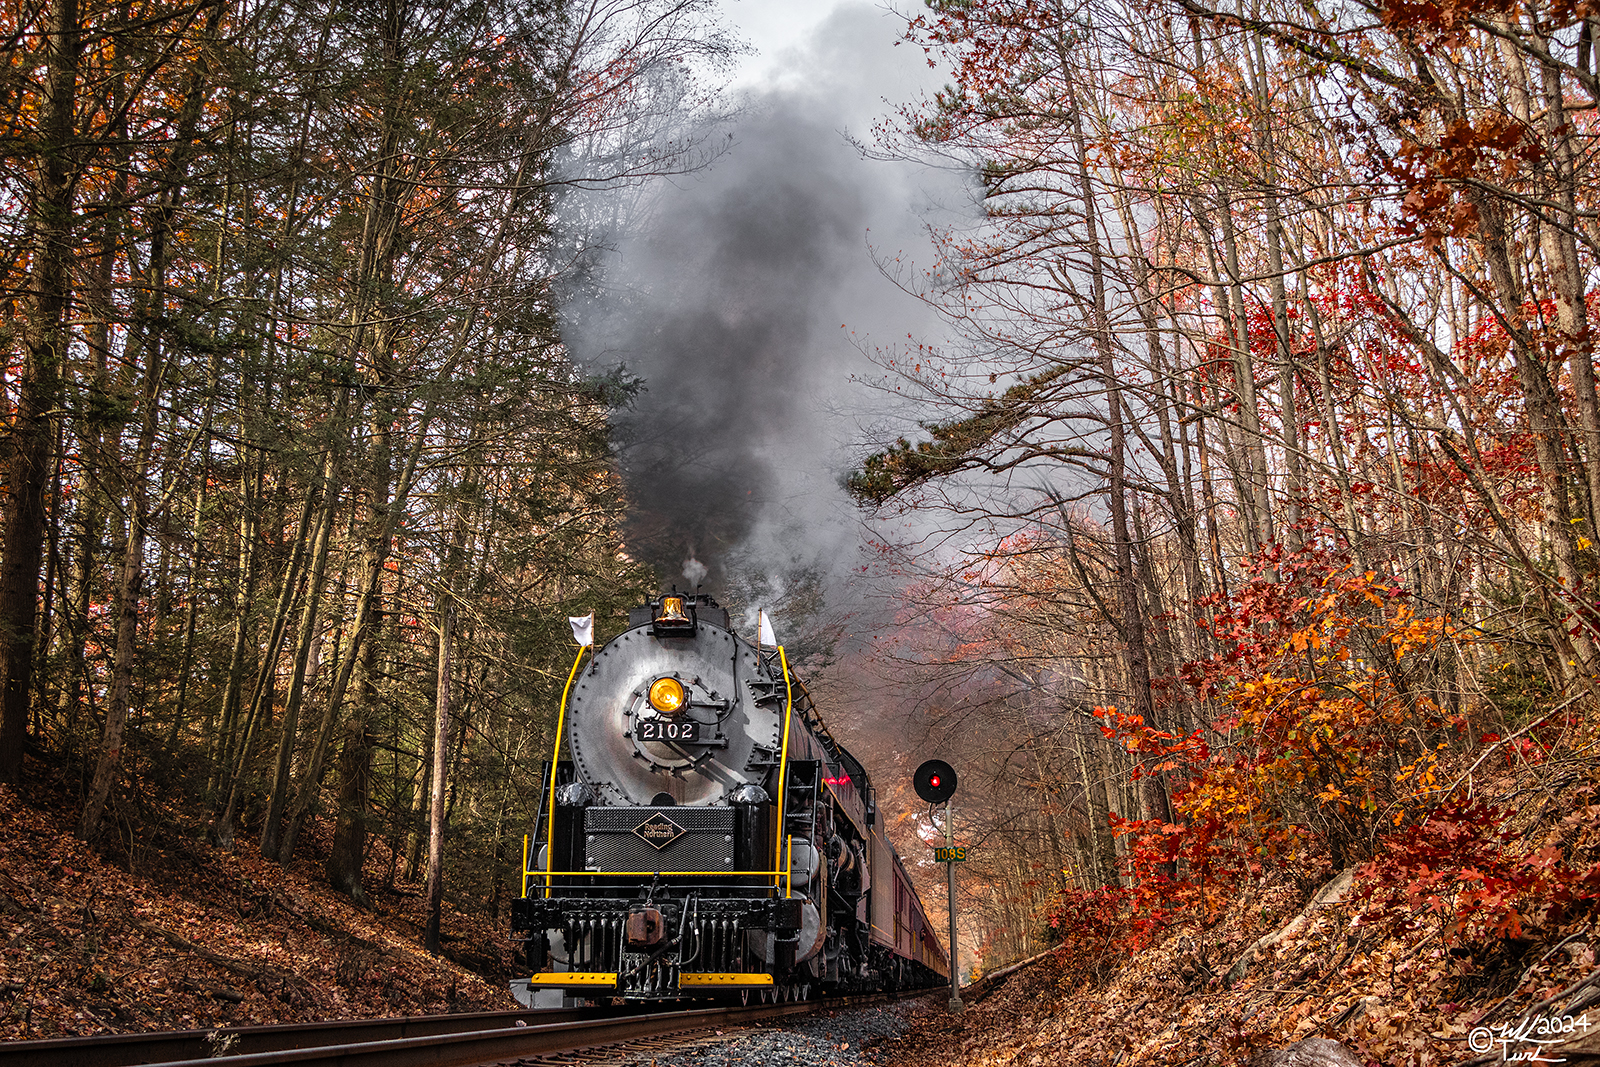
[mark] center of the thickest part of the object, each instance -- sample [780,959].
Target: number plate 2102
[667,730]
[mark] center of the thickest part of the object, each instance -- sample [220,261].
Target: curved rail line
[421,1041]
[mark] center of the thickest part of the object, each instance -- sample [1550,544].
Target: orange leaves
[1306,640]
[1314,716]
[1406,634]
[1132,733]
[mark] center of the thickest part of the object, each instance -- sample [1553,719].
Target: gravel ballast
[830,1039]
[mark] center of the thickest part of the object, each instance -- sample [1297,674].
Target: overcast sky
[779,31]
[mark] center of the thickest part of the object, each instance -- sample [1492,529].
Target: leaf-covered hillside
[196,937]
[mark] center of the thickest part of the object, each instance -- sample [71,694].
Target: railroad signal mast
[935,782]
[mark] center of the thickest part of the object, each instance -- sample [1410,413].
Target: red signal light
[935,781]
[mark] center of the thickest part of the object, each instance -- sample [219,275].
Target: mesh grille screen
[705,845]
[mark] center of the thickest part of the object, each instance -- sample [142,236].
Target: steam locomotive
[705,836]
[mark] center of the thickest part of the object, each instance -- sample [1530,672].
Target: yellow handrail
[525,864]
[783,768]
[777,874]
[555,760]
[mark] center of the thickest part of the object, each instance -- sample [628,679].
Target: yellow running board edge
[568,979]
[729,979]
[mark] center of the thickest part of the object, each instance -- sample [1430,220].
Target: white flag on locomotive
[764,634]
[583,629]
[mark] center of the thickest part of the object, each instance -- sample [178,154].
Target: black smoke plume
[722,328]
[729,304]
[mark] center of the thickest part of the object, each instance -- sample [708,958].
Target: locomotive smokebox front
[676,711]
[709,837]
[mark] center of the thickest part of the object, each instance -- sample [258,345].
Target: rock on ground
[830,1039]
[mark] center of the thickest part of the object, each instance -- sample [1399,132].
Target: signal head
[935,781]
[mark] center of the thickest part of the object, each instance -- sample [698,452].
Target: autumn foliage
[1289,580]
[1327,754]
[1324,756]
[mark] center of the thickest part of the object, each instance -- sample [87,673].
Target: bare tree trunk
[348,855]
[147,330]
[89,494]
[272,830]
[1294,482]
[130,580]
[266,682]
[415,836]
[249,564]
[1137,657]
[1567,276]
[1253,446]
[441,757]
[1103,851]
[45,347]
[196,548]
[1180,498]
[1544,419]
[44,630]
[192,610]
[1234,457]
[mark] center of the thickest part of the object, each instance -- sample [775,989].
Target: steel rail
[126,1050]
[422,1041]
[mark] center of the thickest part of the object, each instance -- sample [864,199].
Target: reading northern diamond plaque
[659,831]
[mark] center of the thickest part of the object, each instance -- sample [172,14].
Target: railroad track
[125,1050]
[425,1041]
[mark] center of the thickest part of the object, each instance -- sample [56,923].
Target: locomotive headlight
[667,696]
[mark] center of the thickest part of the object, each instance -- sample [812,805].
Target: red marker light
[934,781]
